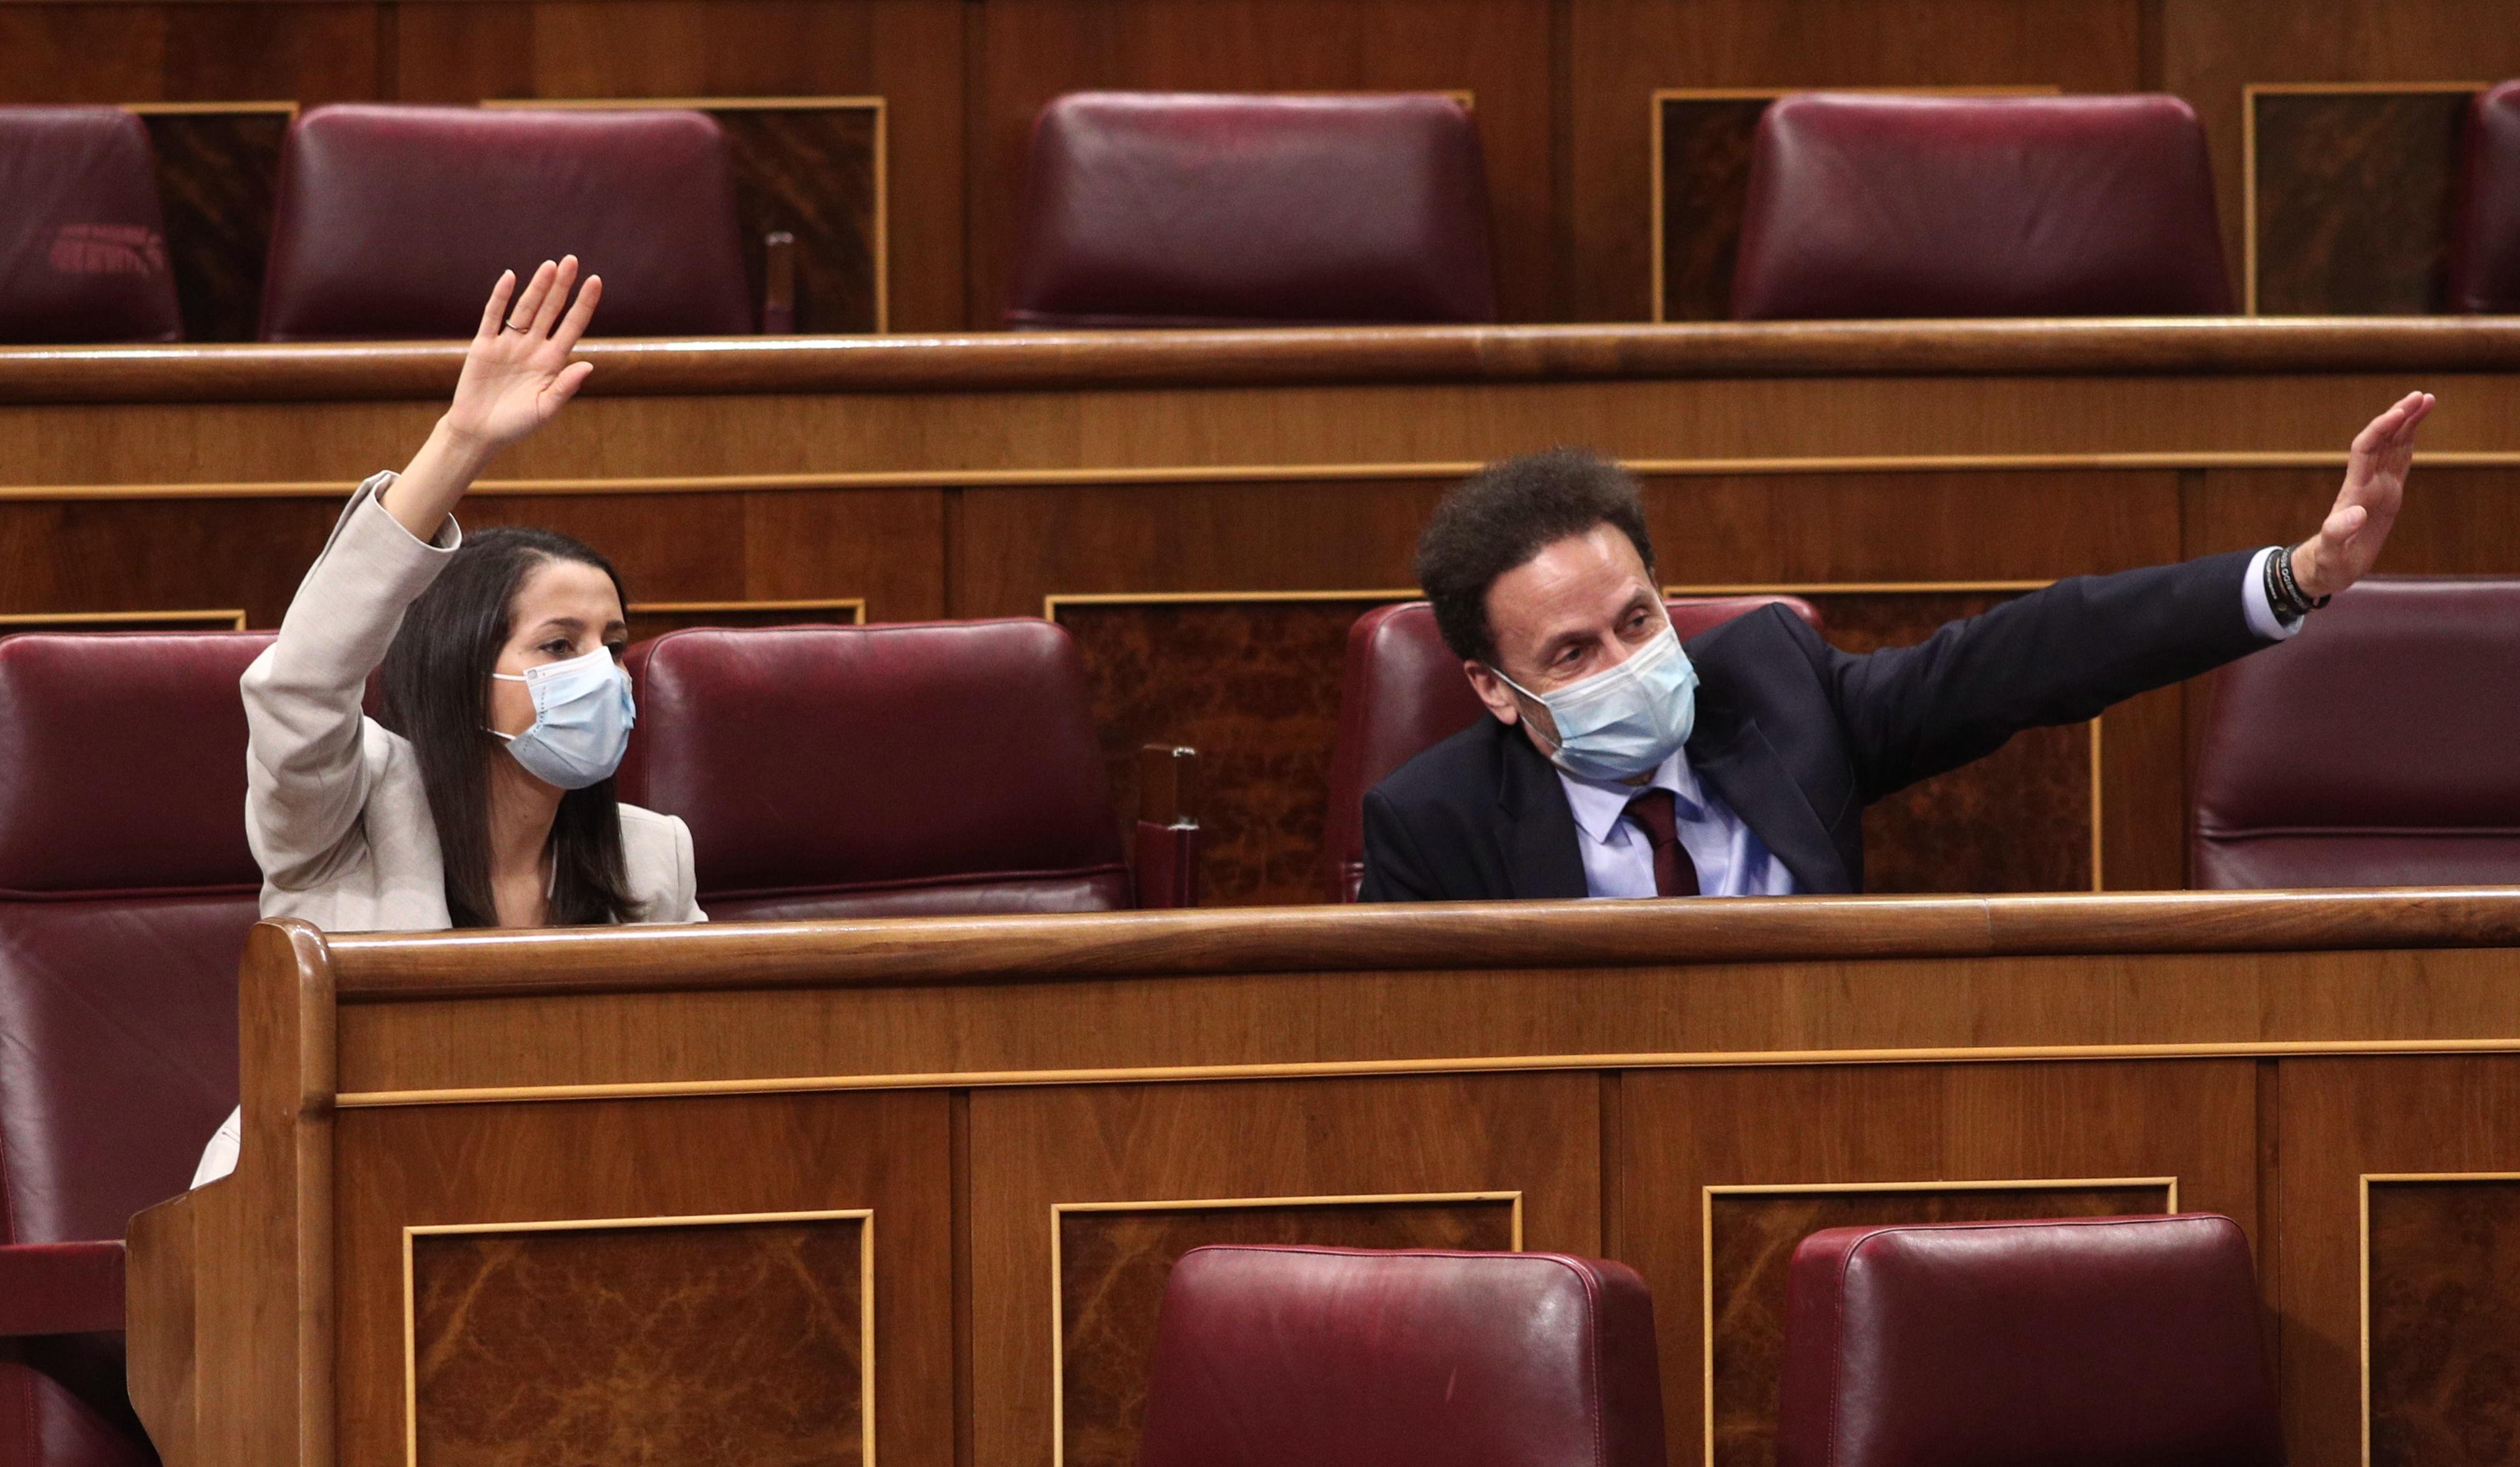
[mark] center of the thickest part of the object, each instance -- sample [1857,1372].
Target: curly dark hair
[1505,514]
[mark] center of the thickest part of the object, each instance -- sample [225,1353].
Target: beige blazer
[334,805]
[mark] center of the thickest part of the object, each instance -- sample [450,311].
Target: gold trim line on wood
[2362,1263]
[863,1216]
[1470,1065]
[853,603]
[1227,473]
[207,618]
[1058,1291]
[1706,1241]
[1051,604]
[211,109]
[693,104]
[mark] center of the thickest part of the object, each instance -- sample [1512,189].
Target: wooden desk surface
[1207,513]
[989,1138]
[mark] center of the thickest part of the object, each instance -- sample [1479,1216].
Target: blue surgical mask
[1624,721]
[582,717]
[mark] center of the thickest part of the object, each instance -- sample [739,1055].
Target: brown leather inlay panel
[1752,1242]
[218,174]
[714,1345]
[1705,190]
[2356,193]
[2445,1322]
[1111,1271]
[1252,685]
[810,171]
[2019,820]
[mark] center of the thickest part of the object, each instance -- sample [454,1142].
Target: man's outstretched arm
[2063,654]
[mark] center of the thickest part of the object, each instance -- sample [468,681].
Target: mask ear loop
[1529,696]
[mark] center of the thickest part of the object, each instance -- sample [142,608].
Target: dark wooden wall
[1561,87]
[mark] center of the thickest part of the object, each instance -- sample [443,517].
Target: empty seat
[2374,749]
[82,239]
[1881,206]
[1402,692]
[2485,247]
[1149,210]
[888,771]
[1339,1357]
[126,890]
[394,221]
[2104,1342]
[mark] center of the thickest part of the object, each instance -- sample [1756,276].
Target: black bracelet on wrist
[2283,593]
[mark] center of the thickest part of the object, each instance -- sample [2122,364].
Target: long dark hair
[438,695]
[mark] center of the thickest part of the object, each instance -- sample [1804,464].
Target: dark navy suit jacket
[1798,736]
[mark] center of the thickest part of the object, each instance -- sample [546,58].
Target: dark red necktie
[1674,874]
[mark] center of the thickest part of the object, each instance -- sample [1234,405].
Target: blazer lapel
[1737,760]
[1535,827]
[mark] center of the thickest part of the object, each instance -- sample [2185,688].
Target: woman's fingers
[522,318]
[547,310]
[497,310]
[574,325]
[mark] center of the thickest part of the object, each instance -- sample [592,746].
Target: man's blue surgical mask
[1624,721]
[582,717]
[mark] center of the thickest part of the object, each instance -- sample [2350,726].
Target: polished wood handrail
[384,968]
[1052,361]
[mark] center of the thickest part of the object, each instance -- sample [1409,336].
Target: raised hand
[516,372]
[2349,543]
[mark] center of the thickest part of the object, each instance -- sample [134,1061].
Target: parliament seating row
[848,772]
[1146,210]
[2101,1340]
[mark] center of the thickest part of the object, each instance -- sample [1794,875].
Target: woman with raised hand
[483,796]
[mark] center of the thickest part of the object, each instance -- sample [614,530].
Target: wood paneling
[1750,1244]
[1033,1149]
[740,1155]
[2353,198]
[1704,145]
[2443,1331]
[1029,50]
[1687,1131]
[2269,1052]
[1254,686]
[2341,1121]
[719,1344]
[1113,1263]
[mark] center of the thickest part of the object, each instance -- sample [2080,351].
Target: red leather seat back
[1152,209]
[127,889]
[1338,1358]
[2374,749]
[1402,692]
[1881,206]
[395,221]
[2080,1344]
[82,239]
[2485,247]
[887,770]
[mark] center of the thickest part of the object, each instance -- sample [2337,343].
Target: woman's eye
[556,648]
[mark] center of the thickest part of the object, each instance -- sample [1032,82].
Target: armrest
[61,1288]
[1167,838]
[777,284]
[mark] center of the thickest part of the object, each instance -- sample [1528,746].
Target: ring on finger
[509,326]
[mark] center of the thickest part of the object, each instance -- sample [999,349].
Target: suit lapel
[1535,827]
[1736,759]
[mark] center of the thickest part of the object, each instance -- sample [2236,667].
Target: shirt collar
[1598,805]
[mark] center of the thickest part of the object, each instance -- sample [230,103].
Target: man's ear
[1492,692]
